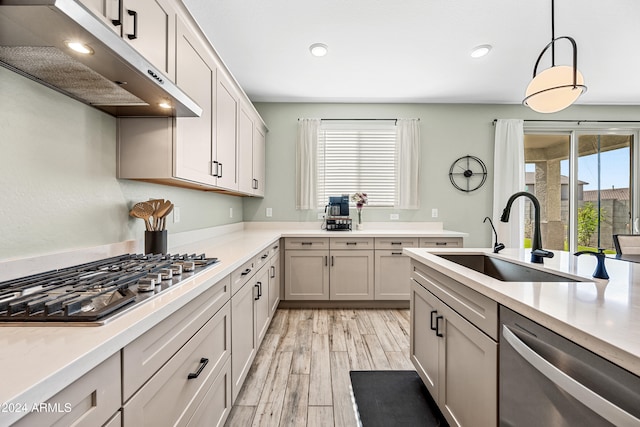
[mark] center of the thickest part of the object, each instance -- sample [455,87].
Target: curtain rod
[579,121]
[368,120]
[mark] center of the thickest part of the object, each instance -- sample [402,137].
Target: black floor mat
[393,398]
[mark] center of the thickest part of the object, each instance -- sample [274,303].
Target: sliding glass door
[584,182]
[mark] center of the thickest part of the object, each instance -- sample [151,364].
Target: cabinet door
[468,372]
[149,26]
[351,275]
[424,346]
[108,11]
[261,304]
[259,148]
[243,348]
[245,152]
[225,143]
[392,271]
[306,275]
[195,74]
[274,284]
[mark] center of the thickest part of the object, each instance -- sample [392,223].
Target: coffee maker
[337,211]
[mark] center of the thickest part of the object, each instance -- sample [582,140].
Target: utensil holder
[155,242]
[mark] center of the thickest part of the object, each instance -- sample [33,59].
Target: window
[584,181]
[357,157]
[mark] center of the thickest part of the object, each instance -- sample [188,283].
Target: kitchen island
[39,361]
[464,296]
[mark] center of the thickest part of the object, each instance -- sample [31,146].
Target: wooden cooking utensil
[164,217]
[160,213]
[143,210]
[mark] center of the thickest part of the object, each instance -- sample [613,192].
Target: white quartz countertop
[601,315]
[38,361]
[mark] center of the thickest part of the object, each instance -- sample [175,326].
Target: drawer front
[91,400]
[396,242]
[216,404]
[262,258]
[441,242]
[275,249]
[478,309]
[175,392]
[351,243]
[242,274]
[144,356]
[306,243]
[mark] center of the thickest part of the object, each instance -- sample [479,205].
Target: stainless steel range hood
[115,78]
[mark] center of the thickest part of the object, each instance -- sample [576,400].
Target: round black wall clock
[468,173]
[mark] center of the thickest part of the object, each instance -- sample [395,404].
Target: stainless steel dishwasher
[547,380]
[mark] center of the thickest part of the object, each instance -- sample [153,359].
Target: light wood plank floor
[300,376]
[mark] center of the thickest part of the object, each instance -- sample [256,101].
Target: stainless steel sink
[504,270]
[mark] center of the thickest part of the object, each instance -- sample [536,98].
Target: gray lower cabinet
[89,401]
[390,265]
[177,393]
[456,359]
[251,315]
[275,279]
[306,274]
[351,274]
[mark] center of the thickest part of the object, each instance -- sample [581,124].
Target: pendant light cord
[553,34]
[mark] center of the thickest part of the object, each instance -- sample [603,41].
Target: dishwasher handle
[584,395]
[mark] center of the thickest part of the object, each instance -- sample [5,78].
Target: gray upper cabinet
[147,25]
[222,150]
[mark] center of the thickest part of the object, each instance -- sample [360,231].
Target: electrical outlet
[320,215]
[434,213]
[230,212]
[269,212]
[176,214]
[394,217]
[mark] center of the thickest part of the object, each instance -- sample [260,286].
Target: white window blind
[357,157]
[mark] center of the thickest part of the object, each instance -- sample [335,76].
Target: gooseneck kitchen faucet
[537,253]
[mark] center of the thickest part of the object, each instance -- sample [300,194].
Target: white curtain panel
[508,178]
[306,164]
[407,163]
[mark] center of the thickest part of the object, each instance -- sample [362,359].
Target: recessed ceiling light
[79,47]
[165,104]
[480,51]
[319,49]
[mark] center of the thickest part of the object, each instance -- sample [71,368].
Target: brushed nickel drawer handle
[203,363]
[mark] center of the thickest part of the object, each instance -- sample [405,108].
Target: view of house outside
[603,182]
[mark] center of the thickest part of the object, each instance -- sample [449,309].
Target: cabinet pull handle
[396,243]
[306,243]
[256,298]
[352,243]
[438,333]
[441,243]
[325,260]
[259,289]
[220,170]
[203,363]
[433,327]
[396,253]
[214,168]
[118,21]
[135,24]
[254,184]
[273,271]
[247,271]
[264,256]
[331,260]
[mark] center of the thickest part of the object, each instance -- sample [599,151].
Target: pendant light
[555,88]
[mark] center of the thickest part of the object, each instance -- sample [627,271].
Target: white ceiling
[418,50]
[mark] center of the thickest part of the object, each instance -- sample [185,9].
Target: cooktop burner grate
[93,291]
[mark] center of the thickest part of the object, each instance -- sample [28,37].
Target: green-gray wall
[448,131]
[57,178]
[59,190]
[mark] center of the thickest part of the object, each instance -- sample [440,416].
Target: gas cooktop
[93,292]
